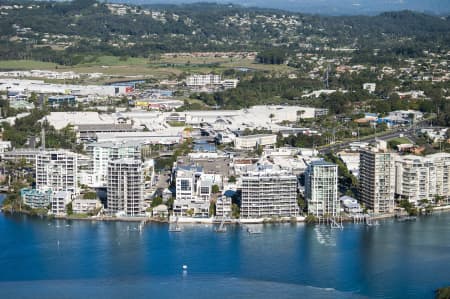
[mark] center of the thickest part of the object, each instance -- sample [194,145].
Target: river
[41,258]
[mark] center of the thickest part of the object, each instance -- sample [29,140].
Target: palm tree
[300,114]
[271,116]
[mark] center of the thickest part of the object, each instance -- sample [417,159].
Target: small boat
[253,231]
[407,218]
[221,228]
[369,222]
[175,228]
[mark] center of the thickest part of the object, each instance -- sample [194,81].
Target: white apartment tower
[125,193]
[415,178]
[268,194]
[321,189]
[377,180]
[441,163]
[103,152]
[420,178]
[57,171]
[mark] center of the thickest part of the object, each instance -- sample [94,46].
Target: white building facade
[251,141]
[59,202]
[193,192]
[267,194]
[57,170]
[419,178]
[103,152]
[377,180]
[321,189]
[203,80]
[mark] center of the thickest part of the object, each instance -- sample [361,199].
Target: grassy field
[400,140]
[26,65]
[144,67]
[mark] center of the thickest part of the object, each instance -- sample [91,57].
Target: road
[409,132]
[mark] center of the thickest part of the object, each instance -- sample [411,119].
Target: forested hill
[63,32]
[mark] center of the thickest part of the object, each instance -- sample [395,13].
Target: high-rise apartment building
[321,189]
[441,163]
[377,180]
[103,152]
[419,178]
[268,194]
[125,187]
[57,171]
[415,178]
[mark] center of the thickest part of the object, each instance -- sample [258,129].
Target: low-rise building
[161,211]
[59,202]
[83,206]
[251,141]
[4,147]
[224,204]
[230,83]
[203,80]
[193,191]
[27,155]
[62,100]
[350,205]
[351,160]
[36,199]
[370,87]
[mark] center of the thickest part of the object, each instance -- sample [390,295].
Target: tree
[271,116]
[69,209]
[212,208]
[259,150]
[90,195]
[300,114]
[409,208]
[301,203]
[272,56]
[215,189]
[232,179]
[235,211]
[156,201]
[443,293]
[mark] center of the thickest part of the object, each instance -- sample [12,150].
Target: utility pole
[43,139]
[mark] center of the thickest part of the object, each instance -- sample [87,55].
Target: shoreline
[187,220]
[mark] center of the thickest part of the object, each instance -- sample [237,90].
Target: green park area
[156,67]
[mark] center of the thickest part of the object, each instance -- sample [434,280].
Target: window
[185,185]
[204,190]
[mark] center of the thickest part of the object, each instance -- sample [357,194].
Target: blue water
[42,258]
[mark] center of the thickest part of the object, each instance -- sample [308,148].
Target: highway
[408,132]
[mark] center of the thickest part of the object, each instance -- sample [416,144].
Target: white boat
[254,230]
[221,228]
[174,227]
